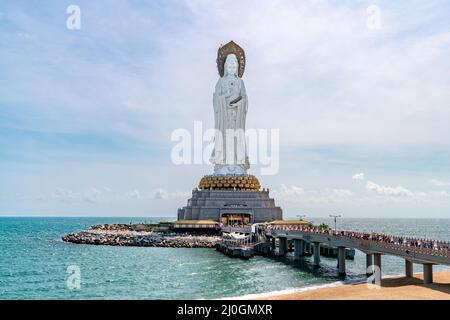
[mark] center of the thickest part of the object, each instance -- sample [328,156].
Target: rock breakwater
[126,235]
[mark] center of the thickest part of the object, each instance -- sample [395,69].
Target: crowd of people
[440,246]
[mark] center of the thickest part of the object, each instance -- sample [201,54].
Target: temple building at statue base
[230,200]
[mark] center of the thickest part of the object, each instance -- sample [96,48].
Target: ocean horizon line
[174,217]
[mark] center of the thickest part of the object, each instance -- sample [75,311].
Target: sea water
[34,263]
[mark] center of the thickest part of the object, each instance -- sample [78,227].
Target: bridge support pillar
[316,254]
[272,244]
[427,273]
[409,269]
[309,247]
[283,246]
[369,264]
[298,249]
[377,264]
[341,260]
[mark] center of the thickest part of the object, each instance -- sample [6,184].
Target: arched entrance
[236,219]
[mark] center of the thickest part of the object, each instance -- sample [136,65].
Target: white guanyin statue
[230,109]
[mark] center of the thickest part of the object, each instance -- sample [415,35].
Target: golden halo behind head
[224,51]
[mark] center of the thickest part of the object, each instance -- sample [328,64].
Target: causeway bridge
[308,240]
[373,248]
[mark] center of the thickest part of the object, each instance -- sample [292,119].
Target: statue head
[231,65]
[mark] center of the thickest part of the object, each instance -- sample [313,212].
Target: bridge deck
[414,254]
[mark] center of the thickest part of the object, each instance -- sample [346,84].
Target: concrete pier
[307,248]
[409,269]
[332,252]
[341,260]
[333,245]
[235,251]
[427,273]
[369,264]
[316,254]
[377,264]
[283,246]
[298,249]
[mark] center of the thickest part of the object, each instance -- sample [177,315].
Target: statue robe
[227,117]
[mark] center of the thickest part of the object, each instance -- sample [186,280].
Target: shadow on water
[324,271]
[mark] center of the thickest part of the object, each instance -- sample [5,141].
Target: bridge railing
[407,248]
[438,252]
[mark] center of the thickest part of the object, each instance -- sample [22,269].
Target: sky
[359,91]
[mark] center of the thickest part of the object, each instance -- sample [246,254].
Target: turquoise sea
[34,262]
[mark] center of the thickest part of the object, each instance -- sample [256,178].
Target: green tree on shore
[324,226]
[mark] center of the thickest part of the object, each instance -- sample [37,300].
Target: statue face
[231,64]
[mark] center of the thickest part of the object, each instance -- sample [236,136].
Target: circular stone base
[229,182]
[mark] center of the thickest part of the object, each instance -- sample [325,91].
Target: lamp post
[335,221]
[301,216]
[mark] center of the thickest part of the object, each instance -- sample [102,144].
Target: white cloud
[439,194]
[133,194]
[92,195]
[358,176]
[65,195]
[95,195]
[180,195]
[160,194]
[291,191]
[439,183]
[381,190]
[298,194]
[331,196]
